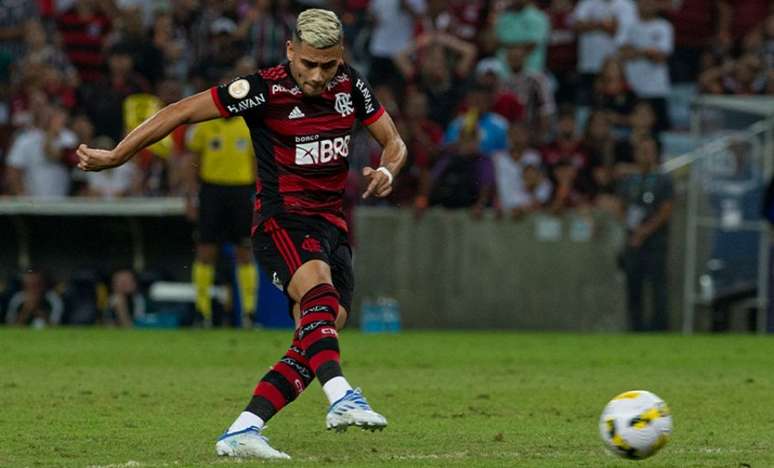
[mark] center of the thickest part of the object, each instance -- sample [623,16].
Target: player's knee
[310,275]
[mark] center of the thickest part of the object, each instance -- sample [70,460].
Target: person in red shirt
[423,140]
[567,144]
[696,25]
[84,29]
[567,150]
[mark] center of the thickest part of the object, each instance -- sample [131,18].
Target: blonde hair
[318,28]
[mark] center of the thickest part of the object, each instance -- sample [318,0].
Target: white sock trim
[246,419]
[336,388]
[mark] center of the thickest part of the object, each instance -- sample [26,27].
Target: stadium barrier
[446,270]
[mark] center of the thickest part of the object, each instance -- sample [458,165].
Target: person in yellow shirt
[224,171]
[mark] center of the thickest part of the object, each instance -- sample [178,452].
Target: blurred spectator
[742,76]
[423,139]
[567,147]
[600,25]
[84,133]
[568,192]
[643,126]
[647,198]
[562,50]
[523,24]
[84,29]
[601,147]
[489,73]
[613,94]
[426,63]
[35,165]
[220,55]
[246,65]
[646,46]
[57,89]
[393,30]
[515,196]
[696,26]
[767,50]
[464,19]
[24,97]
[35,305]
[198,17]
[104,100]
[126,302]
[14,15]
[533,92]
[178,160]
[354,22]
[40,51]
[444,45]
[265,28]
[491,128]
[462,178]
[738,17]
[173,43]
[130,32]
[118,182]
[389,101]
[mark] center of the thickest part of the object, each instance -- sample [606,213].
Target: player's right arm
[193,109]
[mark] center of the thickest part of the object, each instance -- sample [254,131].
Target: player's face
[313,68]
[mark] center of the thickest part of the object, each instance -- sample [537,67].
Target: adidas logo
[296,113]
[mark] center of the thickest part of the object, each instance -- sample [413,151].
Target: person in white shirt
[117,182]
[34,165]
[516,196]
[392,33]
[600,25]
[645,47]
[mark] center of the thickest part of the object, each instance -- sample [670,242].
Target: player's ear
[289,50]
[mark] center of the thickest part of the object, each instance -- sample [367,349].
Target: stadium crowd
[514,105]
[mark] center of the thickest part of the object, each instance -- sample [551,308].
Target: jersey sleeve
[368,109]
[243,95]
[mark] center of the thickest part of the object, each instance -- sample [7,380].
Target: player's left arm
[393,157]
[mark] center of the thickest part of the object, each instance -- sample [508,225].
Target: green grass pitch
[95,397]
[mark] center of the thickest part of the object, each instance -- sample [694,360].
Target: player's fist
[379,182]
[92,159]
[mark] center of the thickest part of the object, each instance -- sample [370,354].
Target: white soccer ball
[635,424]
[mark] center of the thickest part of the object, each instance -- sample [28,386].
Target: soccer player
[300,115]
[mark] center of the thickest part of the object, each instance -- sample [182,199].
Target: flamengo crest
[344,104]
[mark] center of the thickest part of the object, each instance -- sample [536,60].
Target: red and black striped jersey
[302,143]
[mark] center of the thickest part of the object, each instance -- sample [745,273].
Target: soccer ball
[635,424]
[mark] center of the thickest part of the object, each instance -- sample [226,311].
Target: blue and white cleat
[247,443]
[353,410]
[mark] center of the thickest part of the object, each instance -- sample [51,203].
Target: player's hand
[378,183]
[92,159]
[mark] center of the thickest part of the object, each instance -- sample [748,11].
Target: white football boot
[353,410]
[247,443]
